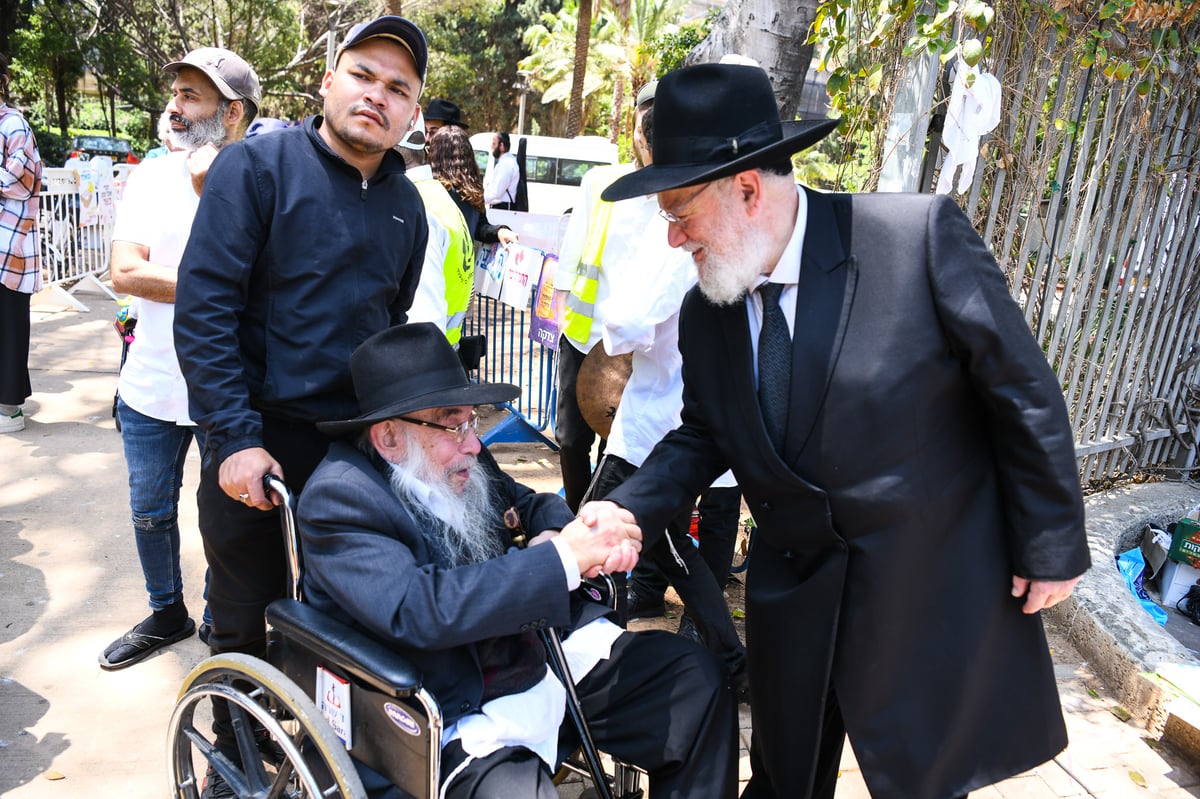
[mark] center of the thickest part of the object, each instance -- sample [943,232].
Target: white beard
[733,265]
[462,529]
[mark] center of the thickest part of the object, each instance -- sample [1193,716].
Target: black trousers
[719,511]
[673,553]
[15,387]
[244,547]
[829,757]
[574,436]
[659,702]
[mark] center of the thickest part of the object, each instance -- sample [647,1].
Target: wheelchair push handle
[272,482]
[287,521]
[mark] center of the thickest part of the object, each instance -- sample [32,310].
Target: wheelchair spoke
[285,749]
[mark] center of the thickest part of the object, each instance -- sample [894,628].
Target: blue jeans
[155,452]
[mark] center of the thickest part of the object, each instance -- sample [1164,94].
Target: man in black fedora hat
[408,527]
[440,113]
[899,438]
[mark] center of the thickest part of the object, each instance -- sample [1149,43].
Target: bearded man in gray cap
[900,439]
[305,243]
[214,97]
[414,535]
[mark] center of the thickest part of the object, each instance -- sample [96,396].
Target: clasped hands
[604,538]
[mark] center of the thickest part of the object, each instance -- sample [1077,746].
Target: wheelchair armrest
[340,644]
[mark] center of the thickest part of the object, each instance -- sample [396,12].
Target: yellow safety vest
[458,268]
[581,304]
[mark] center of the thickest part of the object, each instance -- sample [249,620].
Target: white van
[553,167]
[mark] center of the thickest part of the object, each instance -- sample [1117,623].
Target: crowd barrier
[513,308]
[74,226]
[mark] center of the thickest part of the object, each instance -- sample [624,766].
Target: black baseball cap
[398,29]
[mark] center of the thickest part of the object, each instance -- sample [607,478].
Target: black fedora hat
[445,111]
[711,121]
[408,368]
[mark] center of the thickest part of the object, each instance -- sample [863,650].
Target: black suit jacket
[928,458]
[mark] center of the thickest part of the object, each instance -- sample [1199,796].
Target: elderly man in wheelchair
[418,544]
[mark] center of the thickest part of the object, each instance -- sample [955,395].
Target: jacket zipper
[363,195]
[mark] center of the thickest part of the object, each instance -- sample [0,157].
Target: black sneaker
[642,607]
[689,630]
[215,786]
[204,631]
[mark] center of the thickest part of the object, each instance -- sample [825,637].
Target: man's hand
[198,163]
[241,477]
[560,302]
[604,538]
[1042,594]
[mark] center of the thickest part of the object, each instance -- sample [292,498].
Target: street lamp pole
[522,85]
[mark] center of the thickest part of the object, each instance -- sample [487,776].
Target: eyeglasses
[673,216]
[459,431]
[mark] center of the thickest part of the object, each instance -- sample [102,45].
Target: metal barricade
[73,254]
[513,356]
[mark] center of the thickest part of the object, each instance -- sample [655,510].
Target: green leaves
[971,51]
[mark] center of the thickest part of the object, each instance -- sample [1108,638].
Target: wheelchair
[383,717]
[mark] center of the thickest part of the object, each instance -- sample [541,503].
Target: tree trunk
[394,7]
[774,32]
[60,96]
[583,31]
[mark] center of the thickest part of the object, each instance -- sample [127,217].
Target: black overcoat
[928,458]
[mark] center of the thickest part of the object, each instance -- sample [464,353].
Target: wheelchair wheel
[287,748]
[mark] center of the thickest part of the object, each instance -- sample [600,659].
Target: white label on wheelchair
[402,719]
[333,700]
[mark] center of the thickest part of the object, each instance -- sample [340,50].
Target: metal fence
[513,358]
[75,244]
[1088,195]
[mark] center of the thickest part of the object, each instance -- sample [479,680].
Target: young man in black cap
[900,439]
[304,244]
[408,532]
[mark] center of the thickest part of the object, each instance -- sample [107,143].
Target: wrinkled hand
[198,163]
[1041,594]
[604,538]
[242,473]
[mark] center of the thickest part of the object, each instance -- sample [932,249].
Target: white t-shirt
[642,317]
[156,211]
[429,303]
[624,264]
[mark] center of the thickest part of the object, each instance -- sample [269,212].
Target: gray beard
[200,132]
[469,534]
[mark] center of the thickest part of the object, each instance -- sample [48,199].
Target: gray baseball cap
[233,77]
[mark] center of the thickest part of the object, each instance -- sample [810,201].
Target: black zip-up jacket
[293,261]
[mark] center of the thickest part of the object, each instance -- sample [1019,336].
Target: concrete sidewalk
[70,583]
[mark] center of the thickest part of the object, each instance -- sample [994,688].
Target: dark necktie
[774,364]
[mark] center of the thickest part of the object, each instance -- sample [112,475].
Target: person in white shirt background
[503,174]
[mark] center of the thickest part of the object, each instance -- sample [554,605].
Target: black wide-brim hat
[445,111]
[409,368]
[712,121]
